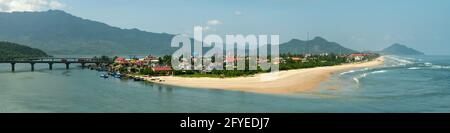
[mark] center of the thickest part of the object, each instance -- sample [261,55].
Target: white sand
[287,82]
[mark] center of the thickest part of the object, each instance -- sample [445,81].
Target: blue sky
[357,24]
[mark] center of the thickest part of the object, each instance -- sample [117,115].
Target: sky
[357,24]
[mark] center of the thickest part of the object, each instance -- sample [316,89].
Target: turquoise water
[404,84]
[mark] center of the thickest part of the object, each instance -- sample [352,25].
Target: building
[149,61]
[296,58]
[121,60]
[358,57]
[163,69]
[139,63]
[324,54]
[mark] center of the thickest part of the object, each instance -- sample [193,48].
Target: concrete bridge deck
[51,61]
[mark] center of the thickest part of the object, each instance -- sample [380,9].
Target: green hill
[316,46]
[12,50]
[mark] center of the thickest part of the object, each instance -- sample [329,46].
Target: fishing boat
[117,75]
[138,79]
[104,76]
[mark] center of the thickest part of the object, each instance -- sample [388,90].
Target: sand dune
[287,82]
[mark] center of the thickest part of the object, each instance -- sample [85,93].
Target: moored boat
[104,76]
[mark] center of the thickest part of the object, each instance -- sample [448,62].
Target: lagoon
[395,87]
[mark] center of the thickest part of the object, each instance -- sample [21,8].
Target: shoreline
[287,82]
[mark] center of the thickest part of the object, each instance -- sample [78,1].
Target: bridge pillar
[83,65]
[32,66]
[13,67]
[50,66]
[67,65]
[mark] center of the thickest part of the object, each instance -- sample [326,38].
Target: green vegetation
[311,61]
[286,62]
[10,50]
[318,45]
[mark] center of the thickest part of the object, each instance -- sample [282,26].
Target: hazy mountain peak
[295,40]
[400,49]
[318,38]
[57,11]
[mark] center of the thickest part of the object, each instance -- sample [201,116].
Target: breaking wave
[359,77]
[393,63]
[439,67]
[400,60]
[414,68]
[353,71]
[381,71]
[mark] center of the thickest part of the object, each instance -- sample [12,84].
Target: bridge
[51,61]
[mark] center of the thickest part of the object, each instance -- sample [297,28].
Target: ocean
[403,84]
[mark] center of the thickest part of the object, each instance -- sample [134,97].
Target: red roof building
[121,60]
[296,58]
[354,55]
[162,68]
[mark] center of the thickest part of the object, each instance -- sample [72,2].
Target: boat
[117,75]
[138,79]
[104,76]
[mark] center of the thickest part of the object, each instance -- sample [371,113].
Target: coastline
[288,82]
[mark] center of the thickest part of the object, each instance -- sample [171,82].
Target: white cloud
[237,13]
[29,5]
[206,28]
[214,22]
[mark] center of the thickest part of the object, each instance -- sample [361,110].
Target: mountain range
[59,33]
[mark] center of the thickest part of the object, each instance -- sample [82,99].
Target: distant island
[13,50]
[399,49]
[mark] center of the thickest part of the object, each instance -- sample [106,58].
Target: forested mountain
[12,50]
[58,32]
[316,46]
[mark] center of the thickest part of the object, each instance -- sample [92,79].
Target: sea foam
[414,68]
[381,71]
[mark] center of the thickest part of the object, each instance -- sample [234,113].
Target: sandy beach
[287,82]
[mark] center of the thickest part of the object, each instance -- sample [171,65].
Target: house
[121,60]
[324,54]
[231,59]
[150,60]
[296,58]
[163,69]
[139,63]
[358,56]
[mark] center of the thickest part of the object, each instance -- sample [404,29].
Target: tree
[147,71]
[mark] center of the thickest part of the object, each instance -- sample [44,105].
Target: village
[153,66]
